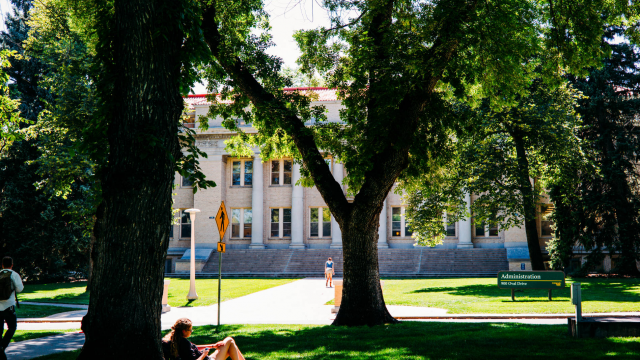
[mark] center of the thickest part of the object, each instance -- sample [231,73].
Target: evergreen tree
[598,202]
[35,227]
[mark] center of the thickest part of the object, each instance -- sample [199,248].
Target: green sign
[530,279]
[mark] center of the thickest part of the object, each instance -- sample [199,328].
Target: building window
[493,229]
[242,173]
[187,181]
[281,172]
[189,121]
[484,230]
[280,222]
[170,231]
[241,220]
[545,219]
[479,228]
[185,225]
[320,222]
[399,226]
[450,228]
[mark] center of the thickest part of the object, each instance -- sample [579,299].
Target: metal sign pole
[219,282]
[222,219]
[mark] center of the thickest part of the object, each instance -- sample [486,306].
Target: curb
[509,317]
[42,320]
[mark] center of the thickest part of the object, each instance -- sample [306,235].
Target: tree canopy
[395,65]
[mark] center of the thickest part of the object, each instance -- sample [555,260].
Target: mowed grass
[39,311]
[482,295]
[411,341]
[62,293]
[22,335]
[207,289]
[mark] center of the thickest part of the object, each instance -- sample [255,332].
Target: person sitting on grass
[176,346]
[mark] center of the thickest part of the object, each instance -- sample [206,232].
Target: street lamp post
[192,284]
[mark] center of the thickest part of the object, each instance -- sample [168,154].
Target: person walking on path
[176,346]
[328,272]
[10,284]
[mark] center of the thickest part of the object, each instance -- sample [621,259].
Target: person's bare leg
[230,349]
[330,277]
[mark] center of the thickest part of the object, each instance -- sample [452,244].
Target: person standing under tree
[328,272]
[10,284]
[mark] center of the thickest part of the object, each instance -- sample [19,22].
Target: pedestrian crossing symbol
[222,247]
[222,219]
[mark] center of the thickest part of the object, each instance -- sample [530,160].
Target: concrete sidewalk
[30,349]
[298,302]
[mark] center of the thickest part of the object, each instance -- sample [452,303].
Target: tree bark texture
[529,203]
[362,300]
[142,105]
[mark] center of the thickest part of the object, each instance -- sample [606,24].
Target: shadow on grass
[534,301]
[412,340]
[592,290]
[62,293]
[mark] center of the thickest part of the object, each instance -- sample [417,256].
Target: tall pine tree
[598,201]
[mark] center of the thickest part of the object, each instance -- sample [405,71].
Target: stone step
[391,262]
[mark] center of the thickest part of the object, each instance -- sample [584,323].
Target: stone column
[297,211]
[336,234]
[382,230]
[464,227]
[257,198]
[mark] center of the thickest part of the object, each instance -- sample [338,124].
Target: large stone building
[268,211]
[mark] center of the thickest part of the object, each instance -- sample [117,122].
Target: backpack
[6,285]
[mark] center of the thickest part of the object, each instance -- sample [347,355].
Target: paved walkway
[30,349]
[298,302]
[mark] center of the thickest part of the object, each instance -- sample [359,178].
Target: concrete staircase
[423,262]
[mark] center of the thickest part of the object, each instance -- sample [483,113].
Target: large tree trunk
[142,105]
[362,300]
[527,193]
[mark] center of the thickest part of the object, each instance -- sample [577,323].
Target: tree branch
[345,25]
[287,119]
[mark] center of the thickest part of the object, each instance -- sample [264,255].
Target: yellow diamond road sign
[222,219]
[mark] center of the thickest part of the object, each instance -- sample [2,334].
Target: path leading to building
[30,349]
[298,302]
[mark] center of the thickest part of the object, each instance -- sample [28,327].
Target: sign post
[222,220]
[530,280]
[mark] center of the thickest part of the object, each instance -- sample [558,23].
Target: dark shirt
[188,350]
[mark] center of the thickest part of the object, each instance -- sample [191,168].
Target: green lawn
[22,335]
[62,293]
[482,295]
[413,340]
[207,289]
[37,311]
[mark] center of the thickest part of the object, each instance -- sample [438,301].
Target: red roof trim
[285,89]
[306,88]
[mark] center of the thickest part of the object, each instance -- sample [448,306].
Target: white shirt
[17,286]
